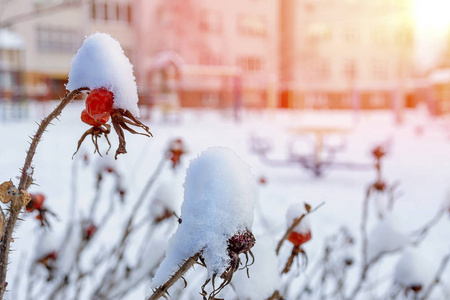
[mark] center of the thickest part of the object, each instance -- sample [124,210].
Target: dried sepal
[95,132]
[121,119]
[6,194]
[25,197]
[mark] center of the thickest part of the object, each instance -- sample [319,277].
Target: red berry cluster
[98,109]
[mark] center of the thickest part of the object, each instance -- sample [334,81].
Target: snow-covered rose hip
[217,213]
[300,234]
[101,67]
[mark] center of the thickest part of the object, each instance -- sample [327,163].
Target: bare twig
[162,290]
[24,183]
[437,277]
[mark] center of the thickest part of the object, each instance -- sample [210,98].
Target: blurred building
[228,49]
[11,57]
[345,53]
[316,53]
[53,30]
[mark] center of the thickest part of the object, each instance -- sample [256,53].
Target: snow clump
[413,270]
[164,199]
[101,63]
[295,211]
[219,199]
[386,237]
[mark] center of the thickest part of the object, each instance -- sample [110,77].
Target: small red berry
[299,238]
[99,103]
[380,185]
[37,201]
[52,255]
[86,118]
[89,232]
[262,180]
[378,152]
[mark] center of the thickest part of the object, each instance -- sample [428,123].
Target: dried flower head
[240,243]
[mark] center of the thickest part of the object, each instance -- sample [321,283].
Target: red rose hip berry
[299,238]
[86,118]
[99,103]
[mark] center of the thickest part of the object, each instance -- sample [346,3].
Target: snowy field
[418,158]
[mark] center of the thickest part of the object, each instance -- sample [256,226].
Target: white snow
[105,164]
[264,279]
[413,269]
[165,197]
[10,40]
[101,62]
[219,198]
[295,211]
[386,236]
[420,163]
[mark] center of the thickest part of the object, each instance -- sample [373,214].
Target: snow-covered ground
[418,158]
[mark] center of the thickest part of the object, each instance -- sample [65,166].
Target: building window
[322,70]
[251,63]
[249,24]
[208,58]
[350,71]
[210,21]
[379,35]
[52,39]
[350,34]
[380,70]
[318,32]
[111,11]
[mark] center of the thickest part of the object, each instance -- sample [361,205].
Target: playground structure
[321,156]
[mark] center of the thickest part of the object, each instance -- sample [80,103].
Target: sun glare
[432,14]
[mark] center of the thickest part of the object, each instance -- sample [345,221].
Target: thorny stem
[162,290]
[118,252]
[295,223]
[24,183]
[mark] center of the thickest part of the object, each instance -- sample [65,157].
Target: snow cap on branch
[219,200]
[295,211]
[101,63]
[413,269]
[385,237]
